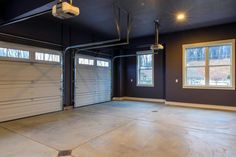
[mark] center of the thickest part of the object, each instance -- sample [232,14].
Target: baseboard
[139,99]
[117,98]
[66,108]
[202,106]
[179,104]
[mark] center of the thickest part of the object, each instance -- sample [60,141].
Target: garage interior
[111,78]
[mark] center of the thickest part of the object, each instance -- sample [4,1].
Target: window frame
[103,60]
[45,61]
[140,53]
[206,45]
[88,58]
[13,46]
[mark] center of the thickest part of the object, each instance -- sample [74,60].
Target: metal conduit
[117,22]
[113,44]
[104,44]
[157,25]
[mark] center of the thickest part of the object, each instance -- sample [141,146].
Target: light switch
[131,80]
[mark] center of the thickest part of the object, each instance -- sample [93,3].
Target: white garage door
[92,80]
[30,81]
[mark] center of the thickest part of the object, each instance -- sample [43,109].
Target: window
[102,63]
[14,53]
[85,61]
[145,64]
[209,65]
[47,57]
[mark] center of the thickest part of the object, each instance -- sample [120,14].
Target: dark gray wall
[168,68]
[174,42]
[128,72]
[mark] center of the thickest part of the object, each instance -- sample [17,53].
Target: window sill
[148,86]
[209,87]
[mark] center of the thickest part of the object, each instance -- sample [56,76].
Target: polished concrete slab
[14,145]
[205,120]
[140,139]
[65,130]
[212,120]
[123,128]
[128,109]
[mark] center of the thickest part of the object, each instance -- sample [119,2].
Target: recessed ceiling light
[180,16]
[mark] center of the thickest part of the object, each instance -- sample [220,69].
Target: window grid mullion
[232,66]
[220,65]
[207,71]
[200,66]
[138,71]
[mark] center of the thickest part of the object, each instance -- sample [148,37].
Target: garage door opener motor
[64,10]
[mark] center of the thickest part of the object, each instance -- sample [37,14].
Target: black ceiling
[98,14]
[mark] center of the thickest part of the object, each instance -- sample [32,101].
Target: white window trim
[207,44]
[137,69]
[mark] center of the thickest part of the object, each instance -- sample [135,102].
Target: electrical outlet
[176,81]
[131,80]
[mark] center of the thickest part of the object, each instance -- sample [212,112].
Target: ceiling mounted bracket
[157,46]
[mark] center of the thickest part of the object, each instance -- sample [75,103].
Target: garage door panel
[29,76]
[103,86]
[20,93]
[87,75]
[85,80]
[9,68]
[85,100]
[104,83]
[55,85]
[85,87]
[47,93]
[103,97]
[17,103]
[103,74]
[28,109]
[30,92]
[92,83]
[103,77]
[29,85]
[103,89]
[29,88]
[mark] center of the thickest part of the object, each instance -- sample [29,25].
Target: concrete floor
[123,129]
